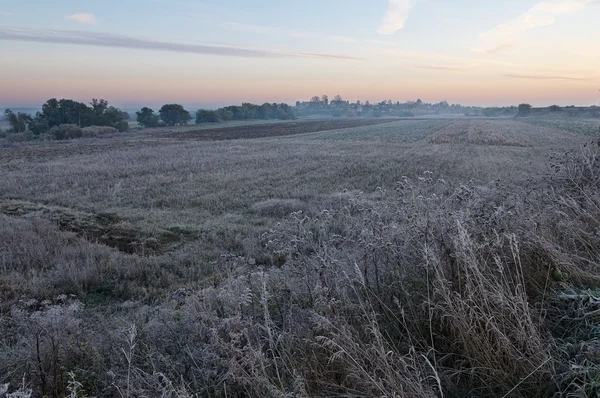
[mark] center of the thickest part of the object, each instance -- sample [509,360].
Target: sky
[204,53]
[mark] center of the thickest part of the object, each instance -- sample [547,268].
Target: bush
[65,131]
[39,125]
[524,110]
[20,137]
[94,131]
[122,126]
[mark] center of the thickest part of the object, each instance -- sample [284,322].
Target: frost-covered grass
[411,259]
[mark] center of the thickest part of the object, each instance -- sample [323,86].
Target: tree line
[56,113]
[175,114]
[60,119]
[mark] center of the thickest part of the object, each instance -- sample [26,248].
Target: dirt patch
[104,228]
[275,130]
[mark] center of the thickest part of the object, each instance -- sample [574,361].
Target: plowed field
[274,130]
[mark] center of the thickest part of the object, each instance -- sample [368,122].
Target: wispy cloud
[541,14]
[83,18]
[396,16]
[262,29]
[541,77]
[120,41]
[5,14]
[441,67]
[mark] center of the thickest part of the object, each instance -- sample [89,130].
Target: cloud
[120,41]
[541,77]
[272,30]
[83,18]
[441,67]
[395,17]
[541,14]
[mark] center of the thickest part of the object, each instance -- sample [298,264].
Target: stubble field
[385,254]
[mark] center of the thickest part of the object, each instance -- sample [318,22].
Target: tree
[73,112]
[111,116]
[51,113]
[225,114]
[206,116]
[554,108]
[147,118]
[315,101]
[325,100]
[524,110]
[99,106]
[174,114]
[19,121]
[39,124]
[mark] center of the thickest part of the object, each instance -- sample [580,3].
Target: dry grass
[435,258]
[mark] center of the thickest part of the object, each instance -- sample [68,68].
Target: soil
[275,130]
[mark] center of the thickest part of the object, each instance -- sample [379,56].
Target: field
[275,129]
[412,258]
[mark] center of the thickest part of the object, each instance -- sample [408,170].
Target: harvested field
[338,235]
[275,130]
[504,132]
[30,151]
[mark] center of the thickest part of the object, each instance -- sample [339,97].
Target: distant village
[339,107]
[322,106]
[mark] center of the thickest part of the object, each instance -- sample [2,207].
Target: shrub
[39,125]
[65,131]
[94,131]
[122,126]
[524,110]
[20,137]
